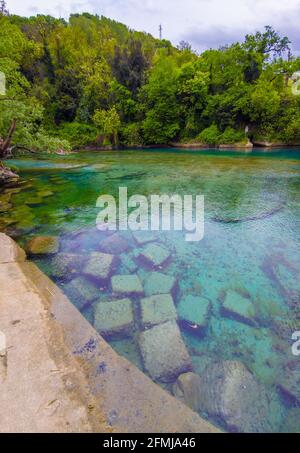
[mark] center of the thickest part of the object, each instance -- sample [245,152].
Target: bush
[131,135]
[211,135]
[78,135]
[45,143]
[230,136]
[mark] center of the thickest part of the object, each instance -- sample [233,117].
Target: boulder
[43,245]
[194,313]
[114,318]
[81,291]
[143,237]
[99,266]
[157,310]
[65,265]
[154,256]
[164,353]
[127,285]
[237,307]
[230,393]
[158,283]
[114,244]
[186,389]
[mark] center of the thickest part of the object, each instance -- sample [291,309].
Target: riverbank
[58,375]
[6,175]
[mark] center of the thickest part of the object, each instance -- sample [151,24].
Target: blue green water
[257,258]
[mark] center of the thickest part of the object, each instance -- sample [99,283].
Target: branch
[11,131]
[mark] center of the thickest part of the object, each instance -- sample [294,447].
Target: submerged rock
[43,245]
[291,424]
[238,307]
[229,392]
[194,313]
[34,201]
[5,206]
[157,310]
[154,255]
[158,283]
[81,291]
[143,237]
[127,285]
[64,265]
[45,193]
[289,384]
[99,266]
[187,390]
[114,318]
[129,263]
[114,244]
[164,353]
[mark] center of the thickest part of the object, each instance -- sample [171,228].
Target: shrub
[232,136]
[210,135]
[78,135]
[131,135]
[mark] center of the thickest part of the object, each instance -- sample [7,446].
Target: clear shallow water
[259,259]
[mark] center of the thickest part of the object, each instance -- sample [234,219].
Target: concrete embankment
[58,375]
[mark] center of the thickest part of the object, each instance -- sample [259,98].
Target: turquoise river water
[250,247]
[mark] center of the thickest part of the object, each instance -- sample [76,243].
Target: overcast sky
[204,23]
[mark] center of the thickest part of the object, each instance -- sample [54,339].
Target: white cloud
[206,23]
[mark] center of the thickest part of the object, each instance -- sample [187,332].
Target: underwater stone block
[99,266]
[43,245]
[154,255]
[157,310]
[114,318]
[158,283]
[127,285]
[237,307]
[143,237]
[230,393]
[164,353]
[114,244]
[81,291]
[194,313]
[64,265]
[129,263]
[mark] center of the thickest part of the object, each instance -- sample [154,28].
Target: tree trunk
[5,143]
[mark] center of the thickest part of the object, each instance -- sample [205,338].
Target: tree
[108,124]
[269,43]
[5,142]
[129,65]
[3,8]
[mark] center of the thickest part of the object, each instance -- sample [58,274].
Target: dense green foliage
[92,81]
